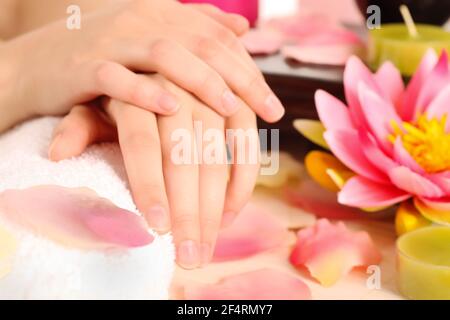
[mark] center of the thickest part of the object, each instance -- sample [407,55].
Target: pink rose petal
[334,55]
[264,284]
[252,232]
[331,251]
[74,217]
[363,193]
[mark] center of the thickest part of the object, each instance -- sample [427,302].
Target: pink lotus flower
[396,140]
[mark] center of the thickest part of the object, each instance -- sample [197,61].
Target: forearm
[11,112]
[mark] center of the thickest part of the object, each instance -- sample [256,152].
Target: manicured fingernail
[188,255]
[51,149]
[168,103]
[157,218]
[205,254]
[228,218]
[230,102]
[273,107]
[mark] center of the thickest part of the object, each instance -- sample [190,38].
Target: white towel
[24,163]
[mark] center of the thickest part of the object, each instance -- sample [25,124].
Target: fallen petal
[263,41]
[252,232]
[264,284]
[333,55]
[74,217]
[330,251]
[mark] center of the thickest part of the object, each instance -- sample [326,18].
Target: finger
[176,63]
[245,151]
[181,178]
[141,150]
[213,178]
[236,23]
[83,126]
[116,81]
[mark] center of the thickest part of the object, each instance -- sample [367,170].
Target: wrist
[11,110]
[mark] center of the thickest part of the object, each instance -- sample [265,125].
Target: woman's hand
[192,199]
[56,68]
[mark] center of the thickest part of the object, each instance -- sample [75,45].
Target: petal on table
[252,232]
[347,147]
[333,113]
[363,193]
[333,55]
[330,251]
[263,41]
[391,83]
[263,284]
[411,182]
[436,216]
[312,130]
[74,217]
[408,218]
[379,113]
[311,197]
[8,247]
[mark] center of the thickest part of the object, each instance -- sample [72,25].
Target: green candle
[395,43]
[423,263]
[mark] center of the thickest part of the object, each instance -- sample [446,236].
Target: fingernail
[157,218]
[230,102]
[205,254]
[227,219]
[168,103]
[274,108]
[52,147]
[188,255]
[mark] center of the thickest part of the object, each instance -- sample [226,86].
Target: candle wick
[410,25]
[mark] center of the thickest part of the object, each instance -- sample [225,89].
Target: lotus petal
[408,218]
[312,130]
[436,216]
[414,183]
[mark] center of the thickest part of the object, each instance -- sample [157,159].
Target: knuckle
[225,36]
[207,48]
[252,83]
[160,48]
[102,71]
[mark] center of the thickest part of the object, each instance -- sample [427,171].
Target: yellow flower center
[426,141]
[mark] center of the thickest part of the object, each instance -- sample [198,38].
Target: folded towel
[23,164]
